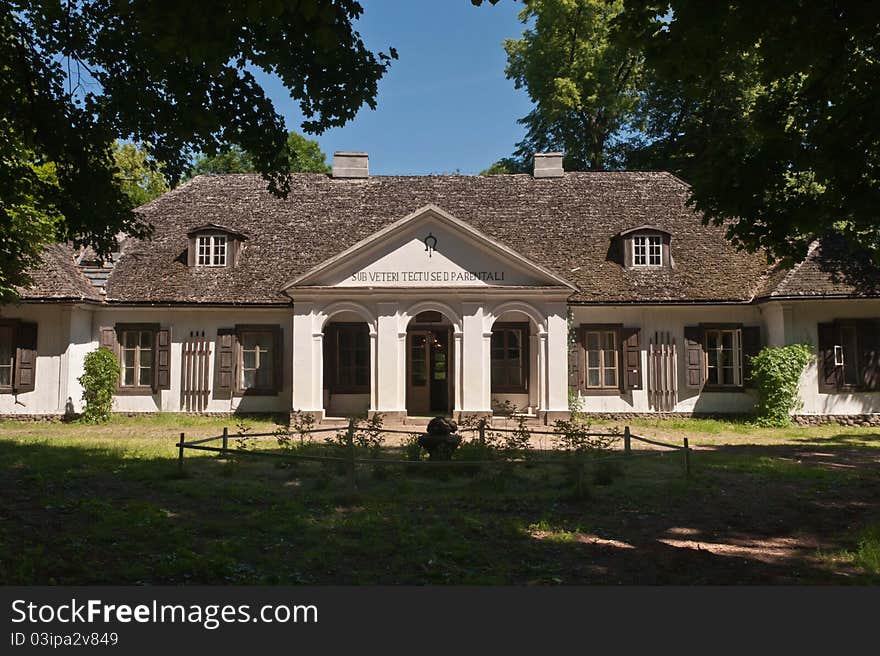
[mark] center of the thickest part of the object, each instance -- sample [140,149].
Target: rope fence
[577,457]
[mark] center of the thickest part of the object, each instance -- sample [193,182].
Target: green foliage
[575,436]
[585,84]
[779,142]
[139,177]
[411,447]
[776,372]
[305,156]
[99,379]
[369,436]
[29,213]
[868,549]
[505,166]
[178,76]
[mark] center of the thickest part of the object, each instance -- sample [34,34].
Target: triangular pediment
[429,248]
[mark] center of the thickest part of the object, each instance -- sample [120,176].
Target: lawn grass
[107,504]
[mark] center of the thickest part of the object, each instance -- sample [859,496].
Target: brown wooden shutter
[108,340]
[576,361]
[869,341]
[278,364]
[632,358]
[693,346]
[25,358]
[751,346]
[224,363]
[830,374]
[163,359]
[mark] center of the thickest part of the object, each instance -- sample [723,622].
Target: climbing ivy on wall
[776,372]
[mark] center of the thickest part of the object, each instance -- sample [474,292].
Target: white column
[788,324]
[476,381]
[555,352]
[458,368]
[542,370]
[390,393]
[307,379]
[374,364]
[535,374]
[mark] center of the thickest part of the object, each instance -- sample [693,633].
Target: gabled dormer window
[212,245]
[646,247]
[211,250]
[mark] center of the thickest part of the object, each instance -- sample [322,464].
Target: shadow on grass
[73,515]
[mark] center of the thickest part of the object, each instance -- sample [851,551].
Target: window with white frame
[7,357]
[211,250]
[647,250]
[724,357]
[257,367]
[136,366]
[602,358]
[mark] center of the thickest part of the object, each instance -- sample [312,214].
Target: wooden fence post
[225,441]
[627,443]
[351,482]
[687,458]
[180,452]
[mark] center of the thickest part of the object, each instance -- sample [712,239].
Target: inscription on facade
[427,276]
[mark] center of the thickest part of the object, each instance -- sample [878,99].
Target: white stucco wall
[388,315]
[66,333]
[671,319]
[63,334]
[801,328]
[184,320]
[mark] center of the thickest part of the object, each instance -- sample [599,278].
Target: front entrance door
[429,378]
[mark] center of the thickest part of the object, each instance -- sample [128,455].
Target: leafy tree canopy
[141,181]
[74,77]
[304,155]
[768,110]
[584,83]
[507,165]
[770,113]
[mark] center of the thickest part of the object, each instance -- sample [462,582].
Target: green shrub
[776,372]
[868,552]
[99,379]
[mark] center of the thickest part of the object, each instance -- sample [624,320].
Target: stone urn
[440,439]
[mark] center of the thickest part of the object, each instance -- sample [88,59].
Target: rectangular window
[211,250]
[7,357]
[724,357]
[136,364]
[602,358]
[256,364]
[854,345]
[353,357]
[509,357]
[647,250]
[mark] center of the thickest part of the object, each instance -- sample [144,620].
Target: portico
[420,301]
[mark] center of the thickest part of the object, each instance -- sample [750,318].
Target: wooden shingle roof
[571,225]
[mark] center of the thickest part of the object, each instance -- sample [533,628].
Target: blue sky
[445,105]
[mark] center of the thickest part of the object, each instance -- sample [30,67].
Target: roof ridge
[788,276]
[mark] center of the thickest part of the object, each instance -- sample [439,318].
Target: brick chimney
[351,165]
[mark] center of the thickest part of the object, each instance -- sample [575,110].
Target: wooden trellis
[662,372]
[196,357]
